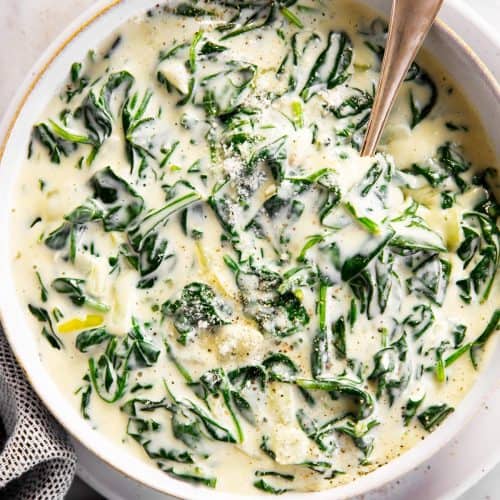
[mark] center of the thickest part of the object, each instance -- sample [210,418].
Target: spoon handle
[411,20]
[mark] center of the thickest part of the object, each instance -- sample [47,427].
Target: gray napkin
[37,460]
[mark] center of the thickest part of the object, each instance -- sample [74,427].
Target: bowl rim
[369,481]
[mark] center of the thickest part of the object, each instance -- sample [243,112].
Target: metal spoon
[410,23]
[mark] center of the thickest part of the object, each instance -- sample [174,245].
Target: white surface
[26,27]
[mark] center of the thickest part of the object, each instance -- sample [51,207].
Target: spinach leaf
[331,66]
[363,286]
[456,355]
[339,338]
[430,279]
[180,53]
[221,203]
[209,48]
[90,338]
[221,93]
[331,201]
[110,374]
[447,162]
[373,187]
[488,179]
[123,204]
[323,435]
[78,82]
[185,426]
[48,331]
[54,144]
[263,485]
[145,236]
[255,16]
[482,243]
[354,265]
[264,446]
[376,37]
[265,473]
[419,321]
[189,10]
[189,419]
[86,393]
[470,244]
[288,70]
[420,109]
[414,234]
[280,314]
[114,45]
[136,429]
[411,408]
[326,469]
[344,387]
[356,107]
[72,287]
[132,119]
[198,307]
[44,294]
[321,350]
[355,104]
[116,204]
[144,431]
[96,110]
[391,370]
[479,343]
[274,221]
[273,155]
[75,222]
[192,219]
[450,157]
[83,214]
[358,432]
[194,476]
[248,375]
[434,173]
[432,416]
[280,367]
[58,238]
[143,353]
[215,382]
[375,183]
[384,276]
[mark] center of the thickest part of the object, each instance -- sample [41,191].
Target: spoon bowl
[410,23]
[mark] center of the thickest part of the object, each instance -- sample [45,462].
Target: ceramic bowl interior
[478,85]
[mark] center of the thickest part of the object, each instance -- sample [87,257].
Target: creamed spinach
[221,284]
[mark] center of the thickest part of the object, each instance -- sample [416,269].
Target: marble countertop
[28,26]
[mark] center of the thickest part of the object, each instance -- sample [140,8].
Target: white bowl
[465,68]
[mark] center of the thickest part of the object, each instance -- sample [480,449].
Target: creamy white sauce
[246,339]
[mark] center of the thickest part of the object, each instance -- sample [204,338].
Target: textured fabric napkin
[37,460]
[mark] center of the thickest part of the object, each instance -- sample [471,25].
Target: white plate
[433,483]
